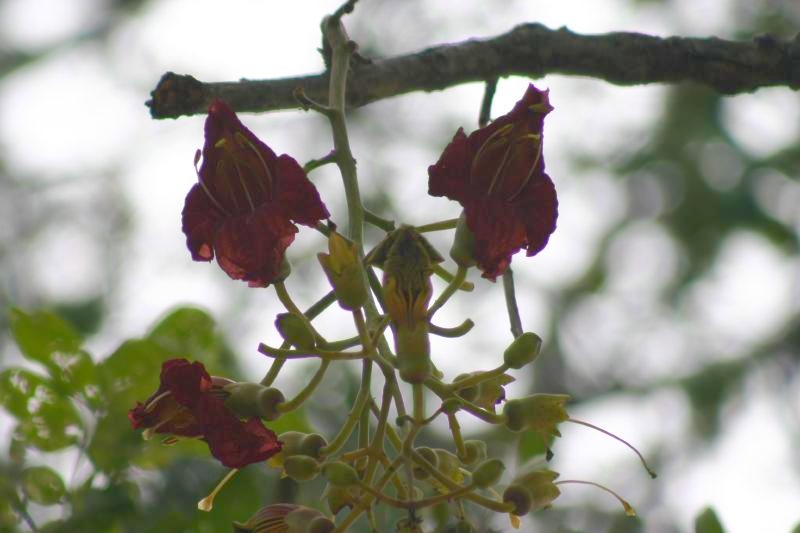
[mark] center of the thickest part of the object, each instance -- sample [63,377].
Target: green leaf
[127,376]
[191,333]
[47,339]
[47,420]
[41,334]
[74,373]
[131,374]
[708,522]
[43,485]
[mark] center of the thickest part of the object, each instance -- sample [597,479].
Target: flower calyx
[540,413]
[344,270]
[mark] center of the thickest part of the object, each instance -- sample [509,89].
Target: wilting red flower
[190,403]
[246,201]
[497,174]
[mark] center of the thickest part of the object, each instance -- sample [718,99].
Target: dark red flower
[497,174]
[246,201]
[190,403]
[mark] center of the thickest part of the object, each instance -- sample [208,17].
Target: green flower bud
[488,473]
[292,441]
[463,249]
[476,451]
[345,273]
[340,474]
[468,393]
[320,525]
[449,465]
[284,271]
[301,467]
[285,517]
[451,406]
[253,399]
[296,331]
[540,413]
[519,496]
[463,526]
[312,445]
[514,411]
[522,351]
[306,520]
[429,455]
[539,484]
[340,497]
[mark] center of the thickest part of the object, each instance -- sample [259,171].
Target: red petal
[297,194]
[498,234]
[252,247]
[537,207]
[186,381]
[234,443]
[450,175]
[200,220]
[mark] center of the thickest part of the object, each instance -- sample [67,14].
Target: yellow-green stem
[438,226]
[304,394]
[349,424]
[452,287]
[448,277]
[458,440]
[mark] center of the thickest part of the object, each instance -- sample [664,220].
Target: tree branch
[530,50]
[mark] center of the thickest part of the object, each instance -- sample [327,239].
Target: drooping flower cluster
[497,174]
[190,403]
[246,202]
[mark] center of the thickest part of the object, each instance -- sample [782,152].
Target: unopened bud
[429,455]
[296,331]
[476,451]
[283,271]
[520,497]
[345,273]
[253,399]
[468,393]
[463,526]
[540,413]
[514,412]
[522,351]
[488,473]
[320,525]
[451,406]
[340,474]
[539,484]
[301,467]
[448,464]
[312,445]
[306,520]
[463,249]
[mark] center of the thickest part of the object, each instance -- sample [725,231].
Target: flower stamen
[207,191]
[207,503]
[241,138]
[493,139]
[536,138]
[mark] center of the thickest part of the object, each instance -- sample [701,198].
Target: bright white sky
[80,113]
